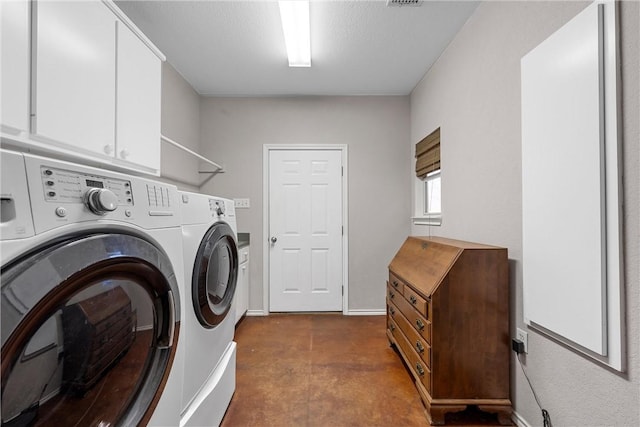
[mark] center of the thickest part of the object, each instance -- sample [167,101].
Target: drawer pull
[392,311]
[413,299]
[392,327]
[419,347]
[419,324]
[395,283]
[420,369]
[391,295]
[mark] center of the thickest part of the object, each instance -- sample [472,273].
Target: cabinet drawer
[420,304]
[417,320]
[419,344]
[393,294]
[415,363]
[396,283]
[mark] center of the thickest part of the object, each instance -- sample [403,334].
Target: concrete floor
[323,370]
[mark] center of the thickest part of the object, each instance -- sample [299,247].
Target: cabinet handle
[419,324]
[420,369]
[413,299]
[395,283]
[392,311]
[124,154]
[392,327]
[419,347]
[391,295]
[108,149]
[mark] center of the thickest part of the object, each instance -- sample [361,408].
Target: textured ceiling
[236,48]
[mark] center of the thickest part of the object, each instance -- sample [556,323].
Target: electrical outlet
[241,203]
[524,337]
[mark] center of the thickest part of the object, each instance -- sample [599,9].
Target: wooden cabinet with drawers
[448,317]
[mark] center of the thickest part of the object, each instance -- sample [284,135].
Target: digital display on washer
[95,184]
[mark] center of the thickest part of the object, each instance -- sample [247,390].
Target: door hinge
[342,290]
[342,230]
[341,170]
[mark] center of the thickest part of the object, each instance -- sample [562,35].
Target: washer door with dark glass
[89,330]
[215,273]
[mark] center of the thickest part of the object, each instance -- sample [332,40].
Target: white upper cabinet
[74,75]
[79,80]
[138,100]
[14,50]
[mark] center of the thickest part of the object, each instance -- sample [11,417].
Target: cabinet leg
[438,412]
[503,413]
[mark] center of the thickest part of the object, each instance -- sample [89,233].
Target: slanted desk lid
[423,262]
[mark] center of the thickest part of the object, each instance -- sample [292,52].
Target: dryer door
[215,274]
[89,332]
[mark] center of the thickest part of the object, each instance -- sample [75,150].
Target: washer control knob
[100,200]
[61,212]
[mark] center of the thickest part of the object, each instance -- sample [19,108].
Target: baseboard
[364,312]
[255,313]
[354,312]
[518,420]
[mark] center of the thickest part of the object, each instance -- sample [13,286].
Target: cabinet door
[74,74]
[138,101]
[14,34]
[242,290]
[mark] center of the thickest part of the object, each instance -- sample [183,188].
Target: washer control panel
[217,207]
[64,193]
[67,186]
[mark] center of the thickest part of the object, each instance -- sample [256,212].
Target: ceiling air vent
[404,2]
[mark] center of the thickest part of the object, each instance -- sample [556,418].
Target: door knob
[274,239]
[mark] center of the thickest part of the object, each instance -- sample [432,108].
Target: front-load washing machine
[211,272]
[91,271]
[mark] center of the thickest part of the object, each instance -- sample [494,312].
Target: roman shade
[428,154]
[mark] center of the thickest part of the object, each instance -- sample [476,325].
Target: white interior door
[305,226]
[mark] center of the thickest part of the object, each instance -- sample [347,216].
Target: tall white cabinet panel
[74,74]
[14,50]
[138,100]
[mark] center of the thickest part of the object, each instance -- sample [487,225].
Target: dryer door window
[88,332]
[215,275]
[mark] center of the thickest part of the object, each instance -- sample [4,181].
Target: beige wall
[376,130]
[473,94]
[181,123]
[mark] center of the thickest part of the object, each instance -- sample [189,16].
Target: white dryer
[211,272]
[91,271]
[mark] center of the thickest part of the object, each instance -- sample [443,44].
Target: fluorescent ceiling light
[295,24]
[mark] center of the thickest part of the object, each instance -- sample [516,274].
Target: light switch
[241,203]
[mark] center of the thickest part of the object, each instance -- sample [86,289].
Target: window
[428,209]
[431,203]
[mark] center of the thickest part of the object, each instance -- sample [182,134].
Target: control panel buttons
[61,212]
[48,172]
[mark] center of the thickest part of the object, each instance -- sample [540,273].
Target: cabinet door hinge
[342,290]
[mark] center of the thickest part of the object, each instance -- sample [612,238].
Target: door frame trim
[267,148]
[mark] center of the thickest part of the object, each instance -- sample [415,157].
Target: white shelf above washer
[205,164]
